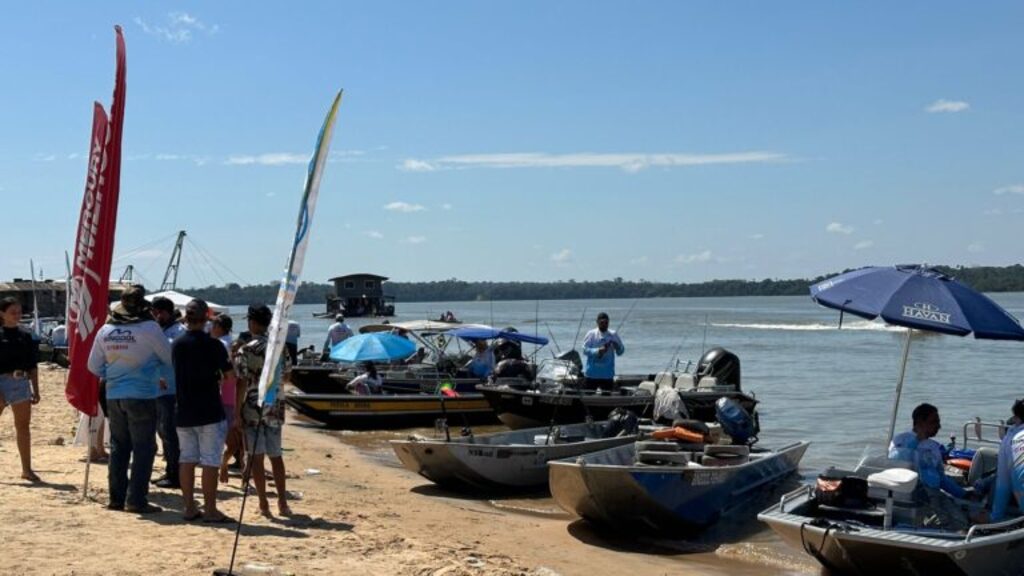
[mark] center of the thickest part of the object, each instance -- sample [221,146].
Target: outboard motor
[735,421]
[507,350]
[720,364]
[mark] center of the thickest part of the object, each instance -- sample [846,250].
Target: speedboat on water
[555,395]
[514,460]
[867,521]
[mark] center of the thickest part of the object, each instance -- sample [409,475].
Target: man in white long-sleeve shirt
[600,346]
[130,352]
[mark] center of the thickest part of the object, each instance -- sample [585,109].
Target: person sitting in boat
[1010,469]
[925,455]
[369,382]
[418,357]
[481,364]
[601,346]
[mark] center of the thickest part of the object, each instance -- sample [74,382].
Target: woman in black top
[19,381]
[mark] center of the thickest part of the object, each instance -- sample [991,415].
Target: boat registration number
[707,477]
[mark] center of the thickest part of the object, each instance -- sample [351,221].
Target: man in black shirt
[200,362]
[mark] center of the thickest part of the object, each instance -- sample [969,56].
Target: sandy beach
[352,515]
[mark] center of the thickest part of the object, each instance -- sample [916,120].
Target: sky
[672,141]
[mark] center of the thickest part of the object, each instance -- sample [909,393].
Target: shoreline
[352,515]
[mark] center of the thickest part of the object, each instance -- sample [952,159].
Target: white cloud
[446,206]
[630,162]
[1012,189]
[878,222]
[413,165]
[374,234]
[73,156]
[863,245]
[178,27]
[271,194]
[345,155]
[839,228]
[699,257]
[271,159]
[943,105]
[639,261]
[40,157]
[757,236]
[404,207]
[976,247]
[563,256]
[993,212]
[416,239]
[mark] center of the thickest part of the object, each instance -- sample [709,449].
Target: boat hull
[661,499]
[379,411]
[503,461]
[330,378]
[860,550]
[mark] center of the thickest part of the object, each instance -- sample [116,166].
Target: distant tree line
[984,278]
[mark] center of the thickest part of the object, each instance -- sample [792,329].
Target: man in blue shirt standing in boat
[1010,470]
[601,346]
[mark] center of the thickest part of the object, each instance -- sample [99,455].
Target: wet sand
[356,511]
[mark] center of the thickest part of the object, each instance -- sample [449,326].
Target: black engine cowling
[720,364]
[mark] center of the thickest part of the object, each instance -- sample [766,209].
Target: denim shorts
[270,441]
[15,390]
[202,445]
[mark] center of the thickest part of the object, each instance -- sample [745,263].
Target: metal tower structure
[171,274]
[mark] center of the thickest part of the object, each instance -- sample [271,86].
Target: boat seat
[684,381]
[646,387]
[725,455]
[985,461]
[707,383]
[894,482]
[664,380]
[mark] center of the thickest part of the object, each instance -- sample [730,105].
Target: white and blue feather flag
[270,377]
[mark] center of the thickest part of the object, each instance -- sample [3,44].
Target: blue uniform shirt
[601,365]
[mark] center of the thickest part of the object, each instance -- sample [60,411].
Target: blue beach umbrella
[374,347]
[919,298]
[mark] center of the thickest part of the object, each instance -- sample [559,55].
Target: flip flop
[194,515]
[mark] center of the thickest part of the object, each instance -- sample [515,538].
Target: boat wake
[814,327]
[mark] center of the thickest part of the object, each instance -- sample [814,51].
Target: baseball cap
[164,304]
[260,313]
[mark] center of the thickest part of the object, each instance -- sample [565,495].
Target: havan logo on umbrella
[926,311]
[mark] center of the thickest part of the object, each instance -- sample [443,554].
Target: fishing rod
[704,342]
[579,327]
[555,342]
[626,317]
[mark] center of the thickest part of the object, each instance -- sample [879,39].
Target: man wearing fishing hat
[129,352]
[601,345]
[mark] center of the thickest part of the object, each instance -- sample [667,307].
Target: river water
[832,387]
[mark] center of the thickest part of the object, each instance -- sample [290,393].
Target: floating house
[360,295]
